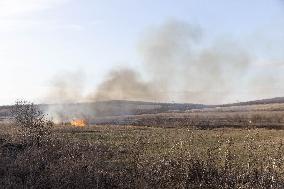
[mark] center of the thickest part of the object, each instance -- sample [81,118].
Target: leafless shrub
[32,121]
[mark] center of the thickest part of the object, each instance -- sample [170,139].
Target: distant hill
[109,108]
[255,102]
[138,107]
[123,107]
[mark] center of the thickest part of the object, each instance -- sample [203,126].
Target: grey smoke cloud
[173,55]
[124,84]
[178,66]
[66,87]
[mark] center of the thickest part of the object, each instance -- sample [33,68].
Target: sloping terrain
[260,113]
[110,108]
[275,100]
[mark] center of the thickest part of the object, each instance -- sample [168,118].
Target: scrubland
[111,156]
[170,150]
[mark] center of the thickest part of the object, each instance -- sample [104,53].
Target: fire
[79,123]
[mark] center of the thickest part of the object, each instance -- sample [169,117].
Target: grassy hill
[122,107]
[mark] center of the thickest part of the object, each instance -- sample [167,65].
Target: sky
[41,39]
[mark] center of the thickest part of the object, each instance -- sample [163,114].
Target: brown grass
[202,120]
[143,157]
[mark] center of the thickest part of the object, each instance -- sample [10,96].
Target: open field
[202,119]
[217,147]
[112,156]
[175,141]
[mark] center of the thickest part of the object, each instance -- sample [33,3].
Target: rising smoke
[124,84]
[179,65]
[179,69]
[66,87]
[174,57]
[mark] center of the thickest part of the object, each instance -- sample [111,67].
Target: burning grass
[79,123]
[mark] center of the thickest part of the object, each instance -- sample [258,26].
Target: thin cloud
[19,15]
[14,8]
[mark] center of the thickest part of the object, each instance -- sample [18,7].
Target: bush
[33,122]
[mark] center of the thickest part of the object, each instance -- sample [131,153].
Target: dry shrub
[34,125]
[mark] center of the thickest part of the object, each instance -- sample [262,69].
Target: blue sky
[40,39]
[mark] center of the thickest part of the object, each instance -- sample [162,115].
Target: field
[202,119]
[161,142]
[209,148]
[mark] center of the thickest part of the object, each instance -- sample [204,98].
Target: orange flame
[79,123]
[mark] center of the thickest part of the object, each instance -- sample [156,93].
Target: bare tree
[32,121]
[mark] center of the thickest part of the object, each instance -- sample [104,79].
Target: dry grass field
[196,149]
[202,119]
[111,156]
